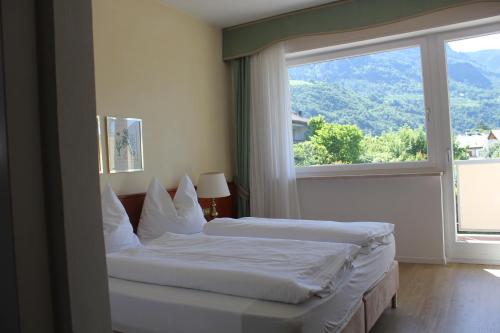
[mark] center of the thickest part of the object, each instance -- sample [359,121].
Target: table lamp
[210,186]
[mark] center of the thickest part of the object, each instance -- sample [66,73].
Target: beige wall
[156,63]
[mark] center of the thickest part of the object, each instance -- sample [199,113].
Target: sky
[487,42]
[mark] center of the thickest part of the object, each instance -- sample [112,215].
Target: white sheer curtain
[273,186]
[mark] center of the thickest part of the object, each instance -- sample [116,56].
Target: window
[473,68]
[360,107]
[474,96]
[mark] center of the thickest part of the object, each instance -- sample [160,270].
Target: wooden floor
[450,299]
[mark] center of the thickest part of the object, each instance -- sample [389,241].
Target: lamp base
[212,210]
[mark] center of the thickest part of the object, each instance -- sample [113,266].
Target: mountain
[468,74]
[383,92]
[489,58]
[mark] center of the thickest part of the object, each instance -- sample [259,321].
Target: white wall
[413,203]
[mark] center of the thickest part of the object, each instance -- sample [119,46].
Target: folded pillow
[118,232]
[160,214]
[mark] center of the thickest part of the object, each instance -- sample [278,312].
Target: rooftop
[297,119]
[477,140]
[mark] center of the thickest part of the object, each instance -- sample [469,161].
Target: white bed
[288,271]
[140,307]
[365,234]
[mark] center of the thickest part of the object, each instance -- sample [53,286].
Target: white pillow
[118,232]
[160,214]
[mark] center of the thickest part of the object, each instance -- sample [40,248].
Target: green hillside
[383,92]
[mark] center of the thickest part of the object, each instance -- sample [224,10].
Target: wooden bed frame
[374,301]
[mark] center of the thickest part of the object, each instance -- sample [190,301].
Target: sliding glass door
[471,59]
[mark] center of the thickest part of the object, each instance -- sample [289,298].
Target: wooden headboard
[133,205]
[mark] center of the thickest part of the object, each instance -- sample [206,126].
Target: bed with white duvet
[368,235]
[202,283]
[144,307]
[286,271]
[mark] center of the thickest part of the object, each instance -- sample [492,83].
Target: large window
[360,108]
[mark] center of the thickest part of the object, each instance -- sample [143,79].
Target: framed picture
[99,145]
[124,138]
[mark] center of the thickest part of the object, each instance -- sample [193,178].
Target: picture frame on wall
[99,145]
[124,143]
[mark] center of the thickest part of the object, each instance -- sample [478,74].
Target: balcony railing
[478,195]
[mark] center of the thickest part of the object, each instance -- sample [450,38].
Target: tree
[346,144]
[308,153]
[413,144]
[406,144]
[329,143]
[315,124]
[492,151]
[342,142]
[459,154]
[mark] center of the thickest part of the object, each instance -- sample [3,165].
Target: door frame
[55,270]
[9,316]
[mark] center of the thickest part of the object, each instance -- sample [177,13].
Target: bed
[355,307]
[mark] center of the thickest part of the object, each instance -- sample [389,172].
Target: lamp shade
[212,185]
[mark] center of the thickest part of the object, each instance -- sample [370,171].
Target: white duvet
[287,271]
[364,234]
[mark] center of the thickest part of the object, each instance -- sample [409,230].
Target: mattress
[143,308]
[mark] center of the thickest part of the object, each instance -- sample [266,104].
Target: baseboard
[442,261]
[421,260]
[474,261]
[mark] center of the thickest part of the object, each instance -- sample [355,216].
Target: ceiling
[226,13]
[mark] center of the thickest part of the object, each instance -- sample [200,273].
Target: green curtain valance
[344,15]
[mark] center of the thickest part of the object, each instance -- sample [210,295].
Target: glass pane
[362,109]
[474,94]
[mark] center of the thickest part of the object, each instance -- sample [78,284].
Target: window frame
[430,123]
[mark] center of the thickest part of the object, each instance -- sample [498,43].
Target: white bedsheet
[279,270]
[146,308]
[365,234]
